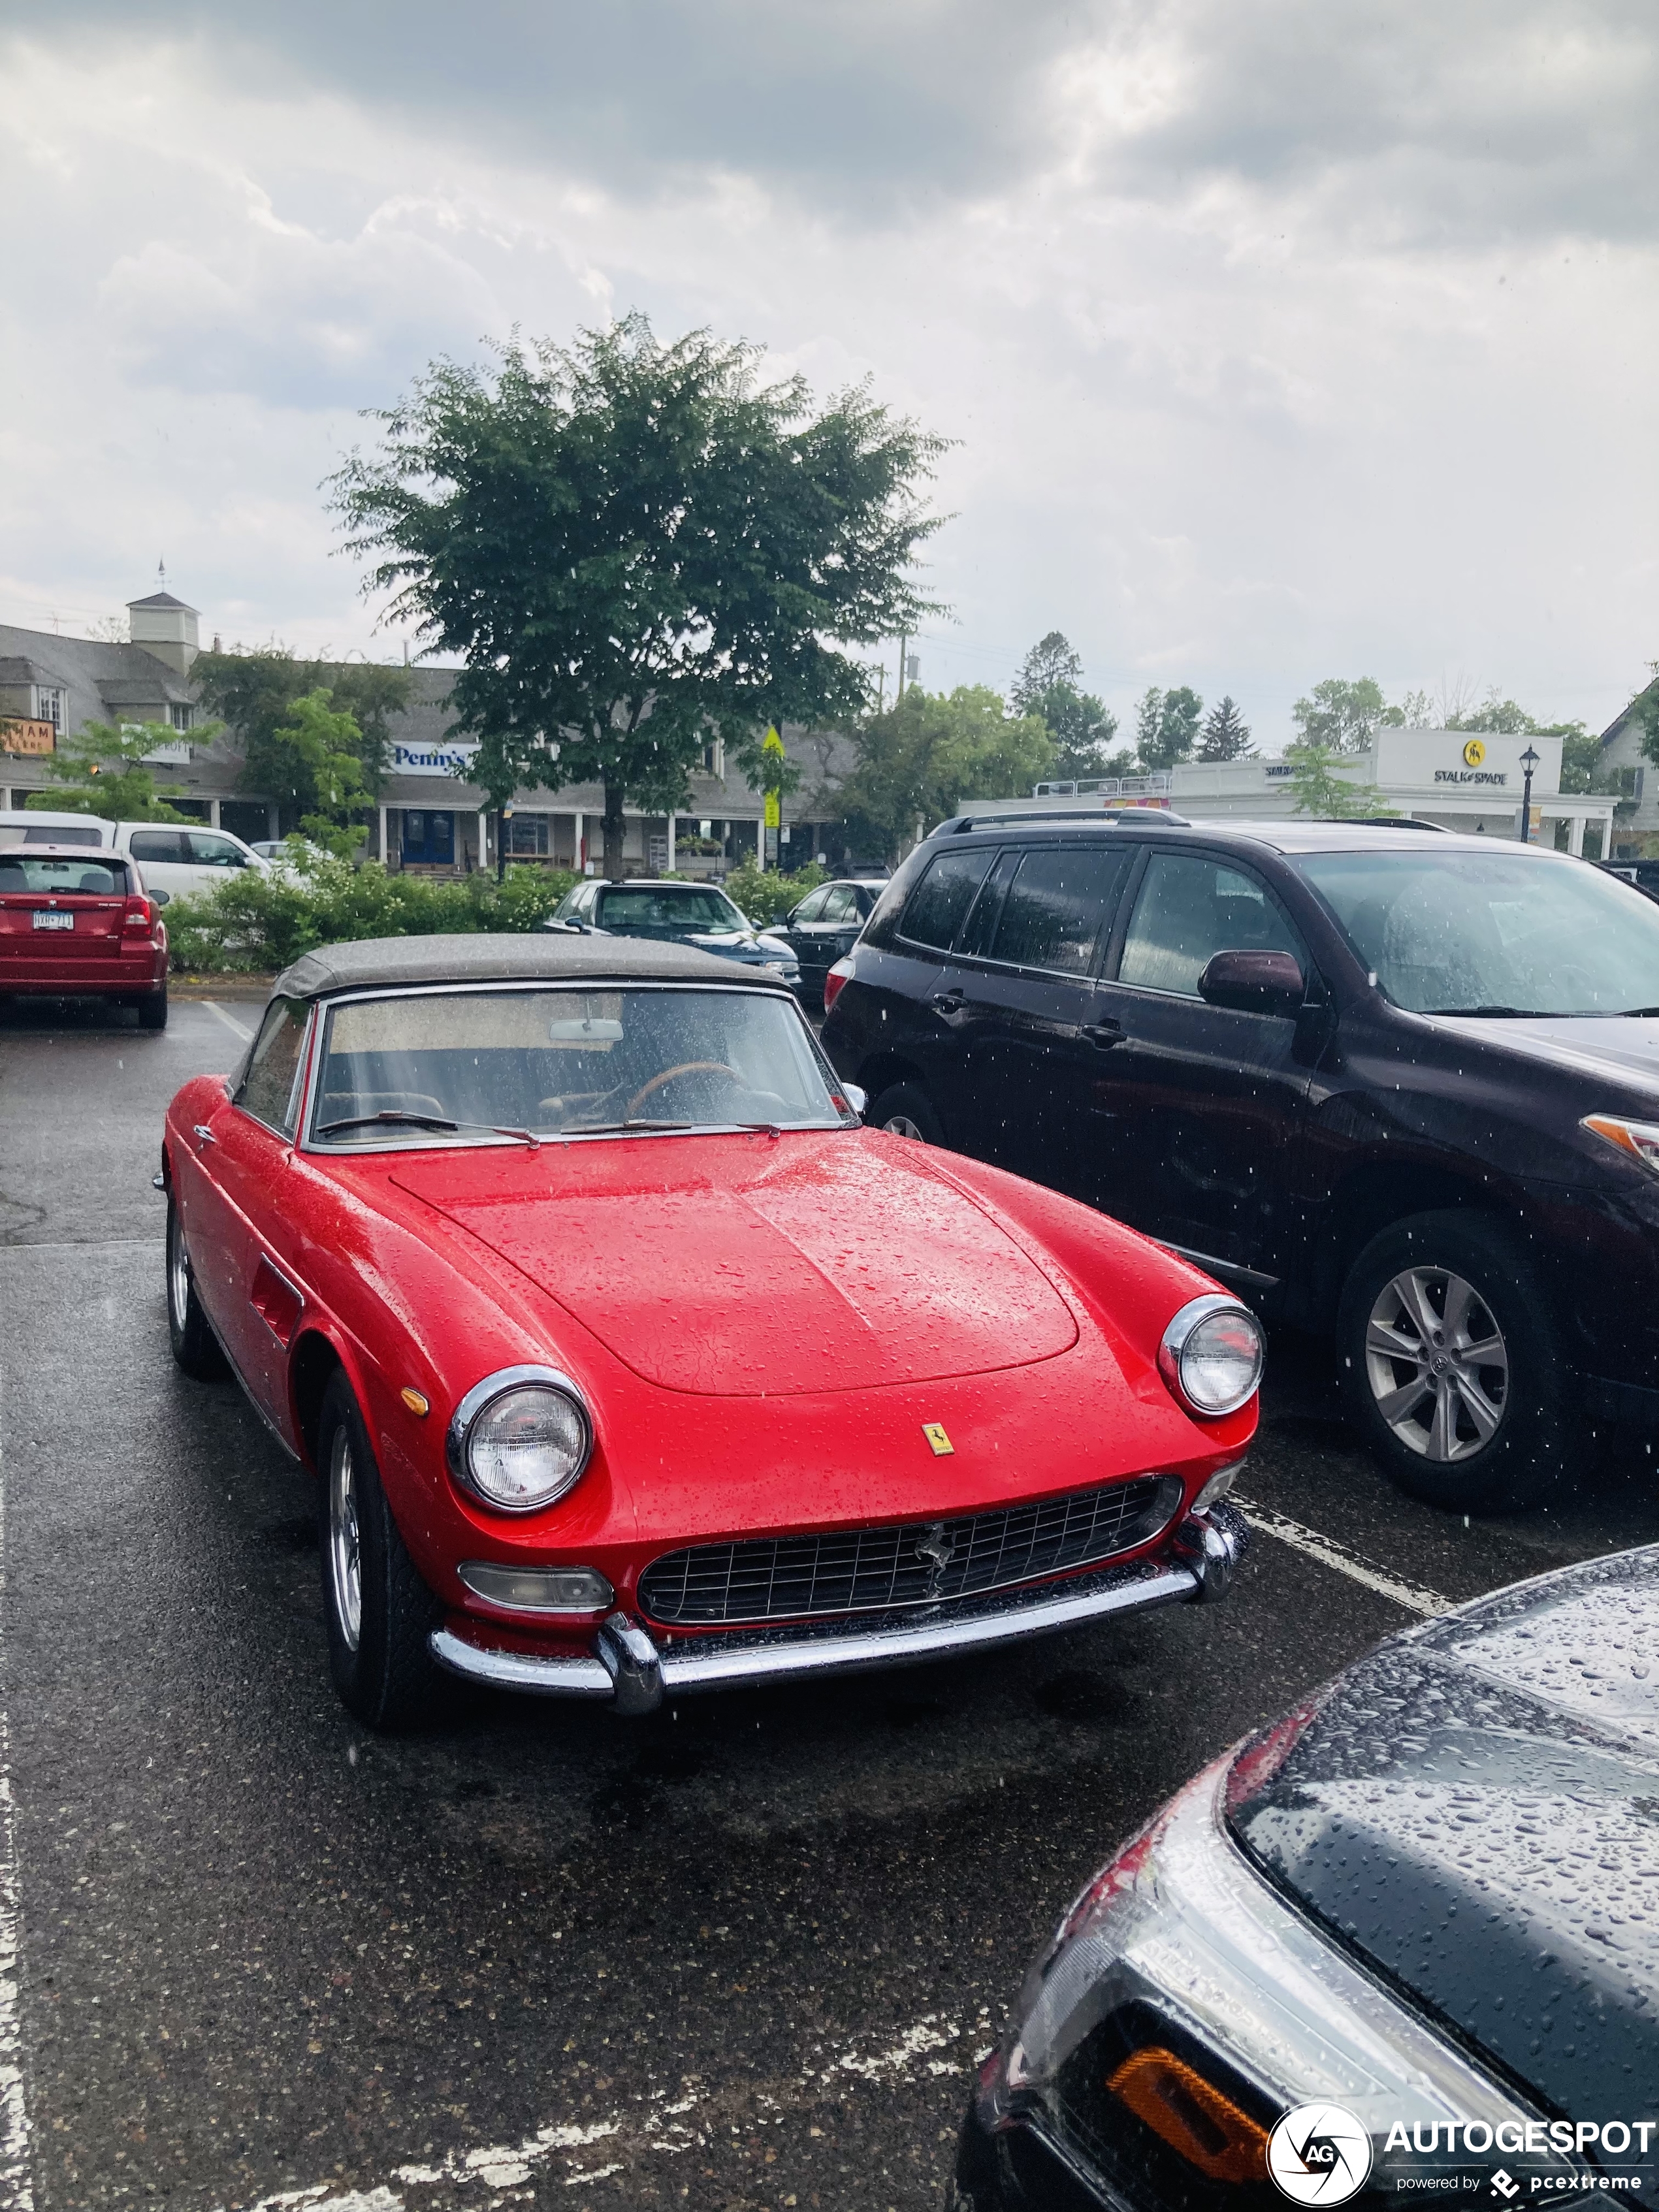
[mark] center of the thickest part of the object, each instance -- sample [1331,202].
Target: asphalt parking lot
[739,1955]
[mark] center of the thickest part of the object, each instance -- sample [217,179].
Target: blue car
[678,914]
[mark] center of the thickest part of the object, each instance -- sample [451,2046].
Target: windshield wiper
[394,1117]
[610,1129]
[1478,1013]
[1635,1013]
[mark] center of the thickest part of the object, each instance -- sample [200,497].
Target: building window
[182,716]
[714,759]
[49,706]
[527,837]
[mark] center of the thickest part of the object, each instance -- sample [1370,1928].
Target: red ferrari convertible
[631,1365]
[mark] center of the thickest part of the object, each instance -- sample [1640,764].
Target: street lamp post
[1528,763]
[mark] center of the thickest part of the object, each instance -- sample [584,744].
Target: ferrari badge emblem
[934,1432]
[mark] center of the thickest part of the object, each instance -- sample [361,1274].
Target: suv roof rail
[1392,822]
[1025,809]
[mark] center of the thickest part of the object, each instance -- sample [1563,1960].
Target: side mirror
[1253,983]
[161,898]
[857,1099]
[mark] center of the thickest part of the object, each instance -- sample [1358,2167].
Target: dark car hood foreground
[1623,1048]
[1475,1810]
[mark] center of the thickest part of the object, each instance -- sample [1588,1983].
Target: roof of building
[395,960]
[164,599]
[91,662]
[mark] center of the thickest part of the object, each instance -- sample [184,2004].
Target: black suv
[1390,1082]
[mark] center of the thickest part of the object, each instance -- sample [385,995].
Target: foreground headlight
[1638,1139]
[520,1439]
[1211,1356]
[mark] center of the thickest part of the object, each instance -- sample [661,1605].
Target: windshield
[564,1062]
[1494,933]
[667,912]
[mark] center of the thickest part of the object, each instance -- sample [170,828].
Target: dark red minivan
[80,924]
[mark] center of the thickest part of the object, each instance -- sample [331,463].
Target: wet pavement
[739,1955]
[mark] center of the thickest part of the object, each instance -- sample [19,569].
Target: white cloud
[1278,343]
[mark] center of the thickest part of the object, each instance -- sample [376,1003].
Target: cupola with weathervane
[166,627]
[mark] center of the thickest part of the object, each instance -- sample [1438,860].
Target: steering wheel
[669,1075]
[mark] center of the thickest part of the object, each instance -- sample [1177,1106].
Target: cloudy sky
[1280,339]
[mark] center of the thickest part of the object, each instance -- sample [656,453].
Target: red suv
[80,924]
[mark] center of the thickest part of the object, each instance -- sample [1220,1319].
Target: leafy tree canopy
[1166,727]
[324,747]
[920,760]
[1320,791]
[104,767]
[1048,685]
[632,546]
[1339,716]
[256,692]
[1226,735]
[1050,661]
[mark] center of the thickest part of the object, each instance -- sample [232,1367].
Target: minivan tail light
[833,981]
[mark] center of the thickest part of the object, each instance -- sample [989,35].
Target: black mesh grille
[867,1570]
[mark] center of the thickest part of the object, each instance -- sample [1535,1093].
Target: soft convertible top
[374,962]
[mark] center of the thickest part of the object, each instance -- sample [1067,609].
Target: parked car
[824,927]
[1645,874]
[79,923]
[182,857]
[699,914]
[631,1365]
[1401,1087]
[1384,1945]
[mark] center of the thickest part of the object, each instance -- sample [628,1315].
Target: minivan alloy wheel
[1436,1363]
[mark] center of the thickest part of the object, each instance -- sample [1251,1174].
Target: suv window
[933,912]
[1053,908]
[1189,908]
[270,1089]
[156,845]
[209,851]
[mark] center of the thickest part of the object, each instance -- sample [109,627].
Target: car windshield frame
[401,1137]
[1449,945]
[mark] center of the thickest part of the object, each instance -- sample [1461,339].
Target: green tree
[1341,716]
[633,546]
[1320,791]
[1048,685]
[322,747]
[1166,727]
[105,771]
[1645,707]
[920,760]
[1501,717]
[1226,735]
[255,691]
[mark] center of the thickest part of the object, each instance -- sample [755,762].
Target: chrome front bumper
[633,1674]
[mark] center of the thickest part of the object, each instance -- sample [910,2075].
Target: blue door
[428,838]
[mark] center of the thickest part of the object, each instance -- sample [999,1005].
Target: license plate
[54,920]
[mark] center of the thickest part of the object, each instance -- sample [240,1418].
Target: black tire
[190,1332]
[907,1111]
[1428,1415]
[381,1664]
[153,1011]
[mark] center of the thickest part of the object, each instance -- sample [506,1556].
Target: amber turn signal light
[1192,2116]
[415,1400]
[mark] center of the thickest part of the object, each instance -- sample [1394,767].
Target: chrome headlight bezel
[1178,1344]
[479,1398]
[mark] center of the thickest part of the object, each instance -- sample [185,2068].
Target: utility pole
[904,642]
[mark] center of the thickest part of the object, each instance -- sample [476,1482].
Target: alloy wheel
[901,1125]
[1437,1364]
[178,1276]
[345,1568]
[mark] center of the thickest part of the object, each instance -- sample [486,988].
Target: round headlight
[520,1439]
[1212,1355]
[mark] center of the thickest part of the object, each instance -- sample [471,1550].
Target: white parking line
[230,1020]
[17,2166]
[1412,1597]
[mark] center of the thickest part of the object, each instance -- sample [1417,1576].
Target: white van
[35,826]
[182,856]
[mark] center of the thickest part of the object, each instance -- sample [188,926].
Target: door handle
[948,1002]
[203,1134]
[1104,1033]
